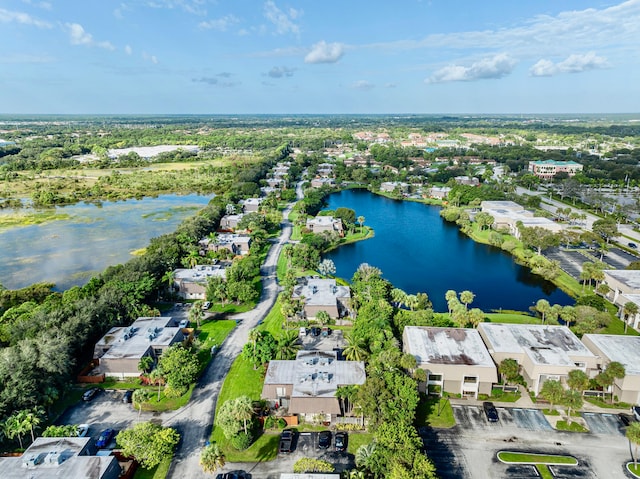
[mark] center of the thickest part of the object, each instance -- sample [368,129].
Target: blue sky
[319,56]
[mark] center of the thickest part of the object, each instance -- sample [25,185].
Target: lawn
[616,326]
[232,308]
[524,458]
[434,412]
[572,427]
[215,332]
[165,403]
[357,439]
[606,404]
[274,320]
[634,469]
[158,472]
[515,318]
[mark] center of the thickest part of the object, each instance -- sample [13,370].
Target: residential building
[120,350]
[308,384]
[191,283]
[325,223]
[236,243]
[323,295]
[625,287]
[507,214]
[467,180]
[275,182]
[542,351]
[325,170]
[440,192]
[624,350]
[455,359]
[320,182]
[68,457]
[251,205]
[547,169]
[391,186]
[230,222]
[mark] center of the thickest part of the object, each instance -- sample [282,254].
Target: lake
[68,252]
[419,252]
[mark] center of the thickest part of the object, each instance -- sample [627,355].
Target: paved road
[194,421]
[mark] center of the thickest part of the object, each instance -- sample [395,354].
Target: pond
[419,252]
[68,252]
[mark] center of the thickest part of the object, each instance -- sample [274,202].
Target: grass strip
[527,458]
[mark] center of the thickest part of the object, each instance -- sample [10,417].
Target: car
[127,397]
[105,437]
[83,430]
[184,323]
[303,331]
[636,412]
[315,331]
[206,305]
[89,394]
[286,441]
[341,441]
[625,419]
[324,439]
[490,411]
[633,245]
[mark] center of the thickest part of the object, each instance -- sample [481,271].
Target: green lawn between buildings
[434,412]
[524,458]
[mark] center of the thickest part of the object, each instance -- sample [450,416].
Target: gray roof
[447,346]
[544,344]
[135,340]
[324,221]
[628,277]
[315,373]
[57,457]
[320,292]
[623,349]
[200,273]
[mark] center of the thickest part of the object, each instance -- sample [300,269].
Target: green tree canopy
[148,443]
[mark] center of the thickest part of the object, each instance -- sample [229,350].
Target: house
[320,182]
[507,214]
[626,351]
[625,287]
[120,350]
[391,186]
[440,192]
[325,223]
[325,170]
[323,295]
[236,243]
[251,205]
[547,169]
[542,351]
[455,359]
[230,222]
[308,384]
[275,182]
[467,180]
[68,457]
[191,283]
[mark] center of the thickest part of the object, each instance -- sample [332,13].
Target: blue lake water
[419,252]
[68,252]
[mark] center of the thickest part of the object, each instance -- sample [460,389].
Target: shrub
[242,441]
[269,422]
[307,464]
[509,245]
[282,423]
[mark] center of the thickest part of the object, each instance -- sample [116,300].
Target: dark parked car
[324,439]
[105,438]
[89,394]
[636,412]
[625,419]
[633,245]
[341,441]
[315,331]
[286,441]
[128,396]
[490,411]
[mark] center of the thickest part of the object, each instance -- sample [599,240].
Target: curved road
[194,421]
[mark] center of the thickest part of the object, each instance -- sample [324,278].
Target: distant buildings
[235,243]
[391,186]
[230,222]
[251,205]
[507,214]
[547,169]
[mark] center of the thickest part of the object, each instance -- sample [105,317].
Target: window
[281,392]
[470,379]
[434,378]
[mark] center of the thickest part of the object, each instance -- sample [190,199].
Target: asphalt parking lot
[468,450]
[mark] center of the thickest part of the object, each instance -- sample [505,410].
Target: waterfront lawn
[513,317]
[434,412]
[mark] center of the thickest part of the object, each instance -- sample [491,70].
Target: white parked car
[83,430]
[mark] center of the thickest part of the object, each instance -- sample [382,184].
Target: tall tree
[552,391]
[466,298]
[543,307]
[148,443]
[573,401]
[629,309]
[212,458]
[633,434]
[578,380]
[509,369]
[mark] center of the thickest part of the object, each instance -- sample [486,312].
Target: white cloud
[362,85]
[283,21]
[281,72]
[196,7]
[79,36]
[323,52]
[497,66]
[7,16]
[390,85]
[152,58]
[128,50]
[575,63]
[220,24]
[215,81]
[43,5]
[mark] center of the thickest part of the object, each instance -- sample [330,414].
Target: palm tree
[629,309]
[323,317]
[467,297]
[15,426]
[365,454]
[552,391]
[196,314]
[615,370]
[633,434]
[145,364]
[356,349]
[169,277]
[411,300]
[398,296]
[32,420]
[157,378]
[361,222]
[543,307]
[139,397]
[450,296]
[573,401]
[287,346]
[243,410]
[578,380]
[346,395]
[211,458]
